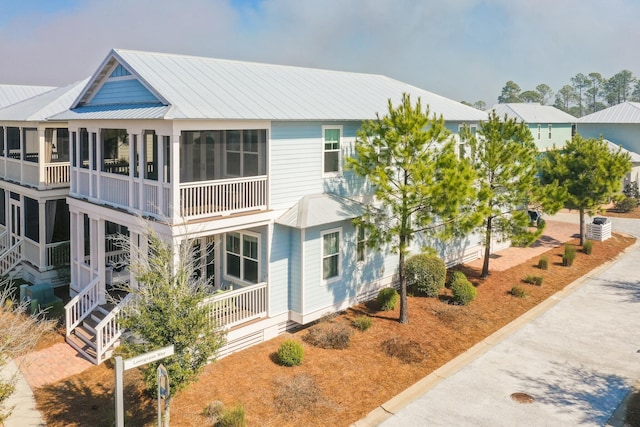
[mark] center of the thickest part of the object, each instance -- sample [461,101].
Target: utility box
[599,229]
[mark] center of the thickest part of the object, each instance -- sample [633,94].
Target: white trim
[324,281]
[338,150]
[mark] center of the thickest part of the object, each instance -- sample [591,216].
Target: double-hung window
[361,246]
[331,255]
[331,136]
[242,256]
[550,126]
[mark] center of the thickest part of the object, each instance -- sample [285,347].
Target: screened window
[13,142]
[151,155]
[84,148]
[242,256]
[331,160]
[57,221]
[2,141]
[115,151]
[31,219]
[166,143]
[331,255]
[361,247]
[56,145]
[3,208]
[31,143]
[74,150]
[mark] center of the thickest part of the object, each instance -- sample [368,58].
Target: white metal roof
[10,94]
[627,112]
[207,88]
[44,105]
[635,157]
[320,209]
[533,113]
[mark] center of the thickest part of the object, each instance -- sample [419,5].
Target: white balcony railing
[108,330]
[201,199]
[57,173]
[82,304]
[228,309]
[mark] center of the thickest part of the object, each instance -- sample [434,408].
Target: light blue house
[549,126]
[246,158]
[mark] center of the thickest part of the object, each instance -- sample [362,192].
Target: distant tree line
[584,95]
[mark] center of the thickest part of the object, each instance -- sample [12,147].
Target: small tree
[420,184]
[590,172]
[505,157]
[19,334]
[166,309]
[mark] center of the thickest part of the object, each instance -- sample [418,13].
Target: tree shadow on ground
[629,291]
[593,396]
[71,402]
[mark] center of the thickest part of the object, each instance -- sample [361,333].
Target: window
[56,145]
[361,247]
[2,141]
[13,143]
[331,150]
[84,148]
[31,219]
[550,131]
[115,151]
[151,155]
[242,256]
[539,130]
[74,150]
[463,147]
[31,145]
[166,144]
[331,255]
[3,208]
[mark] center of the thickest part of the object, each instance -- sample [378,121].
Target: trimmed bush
[232,417]
[569,255]
[455,275]
[518,291]
[626,205]
[290,353]
[334,335]
[587,248]
[543,263]
[388,299]
[463,291]
[533,280]
[362,322]
[426,274]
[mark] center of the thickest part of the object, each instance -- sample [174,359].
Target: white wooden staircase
[10,254]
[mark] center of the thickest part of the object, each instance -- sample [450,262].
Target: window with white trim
[539,130]
[331,149]
[331,255]
[550,131]
[463,146]
[361,245]
[242,256]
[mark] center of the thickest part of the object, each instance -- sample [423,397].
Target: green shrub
[329,334]
[463,291]
[362,322]
[455,275]
[425,274]
[388,299]
[533,280]
[631,190]
[213,411]
[587,248]
[518,291]
[543,263]
[626,205]
[232,417]
[569,255]
[290,353]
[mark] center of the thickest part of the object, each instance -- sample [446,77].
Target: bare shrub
[334,335]
[407,351]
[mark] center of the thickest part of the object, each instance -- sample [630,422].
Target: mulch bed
[334,387]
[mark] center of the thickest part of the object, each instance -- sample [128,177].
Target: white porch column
[20,156]
[100,229]
[96,149]
[76,251]
[175,180]
[142,168]
[42,235]
[160,177]
[134,254]
[132,167]
[42,180]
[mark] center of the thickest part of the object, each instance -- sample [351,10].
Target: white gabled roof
[627,112]
[635,157]
[533,113]
[319,209]
[40,107]
[208,88]
[10,94]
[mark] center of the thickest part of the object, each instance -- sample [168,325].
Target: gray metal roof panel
[533,113]
[40,107]
[627,112]
[114,112]
[10,94]
[320,209]
[210,88]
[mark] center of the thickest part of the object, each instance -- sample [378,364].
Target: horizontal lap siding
[123,92]
[280,270]
[623,134]
[295,271]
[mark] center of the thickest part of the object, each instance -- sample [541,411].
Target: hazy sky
[462,49]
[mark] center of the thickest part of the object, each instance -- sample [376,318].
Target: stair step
[83,348]
[90,323]
[88,337]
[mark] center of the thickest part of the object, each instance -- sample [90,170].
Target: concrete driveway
[577,357]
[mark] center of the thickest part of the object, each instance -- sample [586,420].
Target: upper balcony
[35,157]
[221,172]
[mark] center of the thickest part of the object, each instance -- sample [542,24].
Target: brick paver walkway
[51,364]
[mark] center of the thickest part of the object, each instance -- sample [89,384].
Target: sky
[461,49]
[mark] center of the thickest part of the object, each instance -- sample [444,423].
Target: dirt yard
[331,387]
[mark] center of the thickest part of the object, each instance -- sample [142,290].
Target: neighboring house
[549,126]
[34,183]
[634,174]
[620,125]
[248,160]
[10,94]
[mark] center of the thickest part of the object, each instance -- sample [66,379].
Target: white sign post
[123,365]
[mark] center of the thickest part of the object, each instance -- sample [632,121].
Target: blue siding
[295,272]
[281,259]
[623,134]
[123,92]
[560,133]
[120,71]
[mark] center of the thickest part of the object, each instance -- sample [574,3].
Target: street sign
[152,356]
